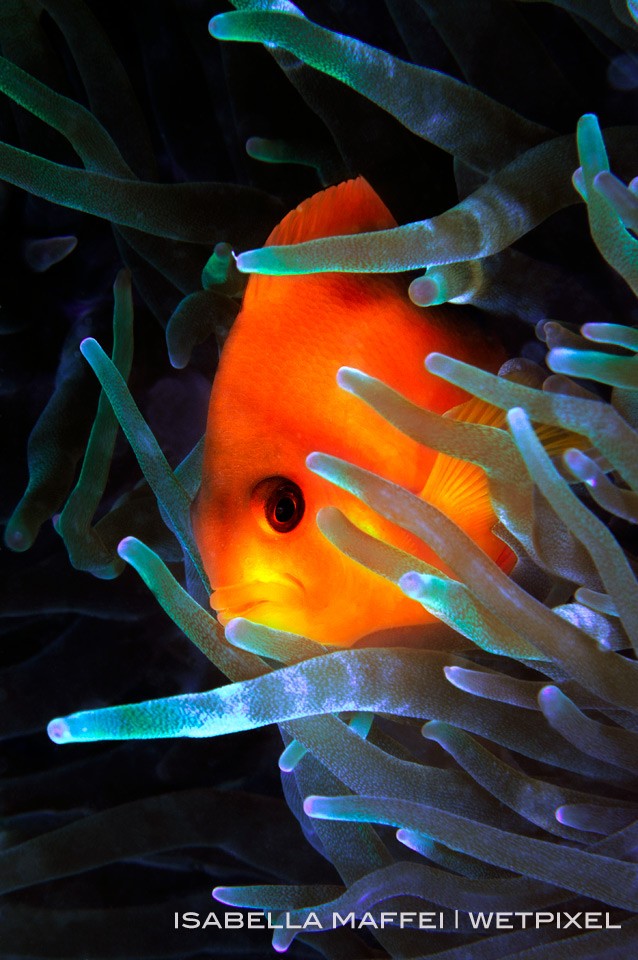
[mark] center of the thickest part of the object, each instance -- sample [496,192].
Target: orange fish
[275,399]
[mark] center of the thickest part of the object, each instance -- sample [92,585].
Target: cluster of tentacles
[521,792]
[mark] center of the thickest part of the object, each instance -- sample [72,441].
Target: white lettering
[343,921]
[212,920]
[234,921]
[481,920]
[546,918]
[425,920]
[524,914]
[367,920]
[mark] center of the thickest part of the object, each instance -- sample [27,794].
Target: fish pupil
[284,507]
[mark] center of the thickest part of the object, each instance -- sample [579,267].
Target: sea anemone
[521,793]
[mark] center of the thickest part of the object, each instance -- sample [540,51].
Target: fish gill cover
[500,776]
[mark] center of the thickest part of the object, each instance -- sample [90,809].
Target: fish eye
[283,503]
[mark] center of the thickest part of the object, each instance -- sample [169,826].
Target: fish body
[275,399]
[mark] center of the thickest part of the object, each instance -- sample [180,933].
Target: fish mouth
[236,600]
[226,614]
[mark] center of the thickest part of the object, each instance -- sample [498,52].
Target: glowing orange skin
[275,399]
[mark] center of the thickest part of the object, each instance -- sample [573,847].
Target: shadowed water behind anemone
[531,726]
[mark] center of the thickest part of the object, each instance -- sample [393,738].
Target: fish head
[255,524]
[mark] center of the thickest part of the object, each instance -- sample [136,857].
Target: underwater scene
[319,385]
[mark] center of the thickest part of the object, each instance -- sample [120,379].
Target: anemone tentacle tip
[245,262]
[221,894]
[312,805]
[424,291]
[434,360]
[16,538]
[348,377]
[516,412]
[517,418]
[327,516]
[548,693]
[411,584]
[235,628]
[454,675]
[58,730]
[315,461]
[125,545]
[578,182]
[574,456]
[87,344]
[218,27]
[432,728]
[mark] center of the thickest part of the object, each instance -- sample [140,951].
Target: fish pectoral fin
[460,489]
[556,440]
[478,411]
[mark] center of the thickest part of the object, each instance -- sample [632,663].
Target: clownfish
[275,399]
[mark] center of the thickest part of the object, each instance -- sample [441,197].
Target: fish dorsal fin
[349,207]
